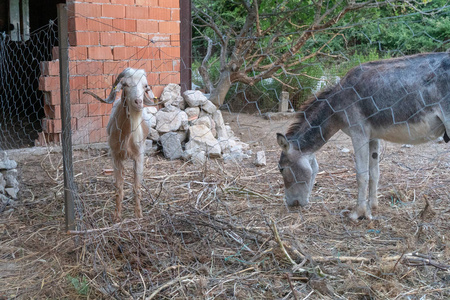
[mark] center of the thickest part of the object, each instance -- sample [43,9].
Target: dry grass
[222,231]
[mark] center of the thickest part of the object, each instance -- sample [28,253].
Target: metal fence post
[66,139]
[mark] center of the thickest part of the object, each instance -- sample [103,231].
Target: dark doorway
[28,33]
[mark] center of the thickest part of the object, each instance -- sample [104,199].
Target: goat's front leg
[361,147]
[119,179]
[138,174]
[374,172]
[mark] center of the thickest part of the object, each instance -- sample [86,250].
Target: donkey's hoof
[357,216]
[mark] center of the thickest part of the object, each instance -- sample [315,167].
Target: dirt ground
[222,230]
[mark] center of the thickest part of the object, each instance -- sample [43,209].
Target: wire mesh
[21,101]
[218,227]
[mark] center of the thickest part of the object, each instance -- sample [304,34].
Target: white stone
[154,135]
[172,119]
[260,159]
[12,192]
[192,112]
[194,98]
[220,125]
[202,139]
[171,95]
[148,117]
[171,146]
[209,107]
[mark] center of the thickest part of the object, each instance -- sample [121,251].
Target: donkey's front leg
[361,147]
[374,173]
[138,174]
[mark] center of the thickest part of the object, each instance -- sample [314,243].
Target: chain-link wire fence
[21,101]
[215,223]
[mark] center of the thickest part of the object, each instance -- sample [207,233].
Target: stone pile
[9,186]
[189,126]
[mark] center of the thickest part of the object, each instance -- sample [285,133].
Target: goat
[127,131]
[401,100]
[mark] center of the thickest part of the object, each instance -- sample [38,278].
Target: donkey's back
[403,100]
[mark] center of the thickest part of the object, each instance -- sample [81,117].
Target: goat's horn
[116,86]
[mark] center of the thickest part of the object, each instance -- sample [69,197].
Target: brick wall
[105,37]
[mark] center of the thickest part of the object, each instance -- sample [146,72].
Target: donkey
[400,100]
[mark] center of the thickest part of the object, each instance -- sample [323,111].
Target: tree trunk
[219,93]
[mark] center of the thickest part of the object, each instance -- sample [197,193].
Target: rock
[5,162]
[2,183]
[345,150]
[196,157]
[10,177]
[153,135]
[149,117]
[12,192]
[220,125]
[171,119]
[194,98]
[171,95]
[171,145]
[151,110]
[205,120]
[260,159]
[182,136]
[192,113]
[202,139]
[149,149]
[209,107]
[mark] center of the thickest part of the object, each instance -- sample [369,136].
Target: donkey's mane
[301,125]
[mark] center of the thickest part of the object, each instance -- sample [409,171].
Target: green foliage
[81,285]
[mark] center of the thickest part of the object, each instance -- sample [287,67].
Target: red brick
[79,110]
[124,52]
[99,109]
[98,24]
[136,12]
[55,53]
[153,78]
[113,11]
[170,3]
[112,38]
[51,125]
[100,53]
[80,137]
[77,24]
[97,1]
[52,97]
[52,111]
[48,139]
[126,2]
[162,66]
[175,40]
[86,98]
[166,78]
[141,64]
[89,123]
[170,52]
[146,26]
[99,82]
[169,27]
[175,15]
[48,83]
[78,53]
[89,67]
[83,38]
[49,68]
[137,39]
[147,2]
[159,14]
[77,82]
[105,120]
[124,25]
[114,67]
[87,9]
[157,90]
[176,65]
[98,135]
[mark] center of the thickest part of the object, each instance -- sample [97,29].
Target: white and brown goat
[127,131]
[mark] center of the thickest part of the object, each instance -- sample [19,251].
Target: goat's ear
[283,142]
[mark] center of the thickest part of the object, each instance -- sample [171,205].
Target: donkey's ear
[283,142]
